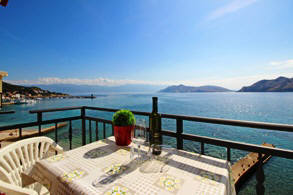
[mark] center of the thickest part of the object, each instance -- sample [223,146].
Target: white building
[17,96]
[2,74]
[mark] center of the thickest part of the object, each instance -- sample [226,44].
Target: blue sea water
[263,107]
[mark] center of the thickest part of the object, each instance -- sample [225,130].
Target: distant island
[10,90]
[281,84]
[191,89]
[17,94]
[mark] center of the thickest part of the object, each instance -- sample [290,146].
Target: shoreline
[18,101]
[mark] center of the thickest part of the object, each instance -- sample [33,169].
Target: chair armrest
[57,148]
[15,190]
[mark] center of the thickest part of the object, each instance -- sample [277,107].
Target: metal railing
[179,134]
[7,112]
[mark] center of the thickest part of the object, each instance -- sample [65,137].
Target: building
[2,74]
[3,3]
[16,96]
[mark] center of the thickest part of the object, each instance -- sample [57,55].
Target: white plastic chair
[18,157]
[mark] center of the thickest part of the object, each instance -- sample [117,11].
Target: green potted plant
[124,123]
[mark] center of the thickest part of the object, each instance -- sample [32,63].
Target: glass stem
[131,153]
[139,152]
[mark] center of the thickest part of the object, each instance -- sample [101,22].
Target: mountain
[190,89]
[24,90]
[94,89]
[281,84]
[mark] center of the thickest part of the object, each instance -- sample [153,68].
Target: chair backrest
[19,156]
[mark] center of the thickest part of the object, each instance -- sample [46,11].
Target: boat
[31,101]
[24,101]
[20,101]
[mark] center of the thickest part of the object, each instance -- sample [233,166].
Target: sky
[230,43]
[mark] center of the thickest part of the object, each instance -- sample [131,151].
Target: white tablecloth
[187,173]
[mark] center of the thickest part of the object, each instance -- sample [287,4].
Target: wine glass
[157,163]
[138,139]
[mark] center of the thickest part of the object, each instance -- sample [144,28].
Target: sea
[262,107]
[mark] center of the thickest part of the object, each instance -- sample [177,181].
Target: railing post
[20,133]
[202,148]
[104,130]
[83,127]
[179,131]
[97,130]
[112,129]
[70,135]
[228,154]
[90,130]
[56,132]
[40,118]
[260,177]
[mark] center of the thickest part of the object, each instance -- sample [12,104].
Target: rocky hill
[33,91]
[190,89]
[281,84]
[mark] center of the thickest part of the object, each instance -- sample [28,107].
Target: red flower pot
[123,135]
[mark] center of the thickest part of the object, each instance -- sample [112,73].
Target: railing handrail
[7,112]
[31,124]
[284,153]
[209,140]
[56,109]
[230,122]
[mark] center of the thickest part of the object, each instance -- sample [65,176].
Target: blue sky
[230,43]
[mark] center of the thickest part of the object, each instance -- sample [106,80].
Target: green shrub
[123,118]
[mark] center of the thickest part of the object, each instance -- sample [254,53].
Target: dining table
[102,167]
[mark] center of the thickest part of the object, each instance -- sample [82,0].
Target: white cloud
[282,64]
[234,83]
[77,81]
[231,7]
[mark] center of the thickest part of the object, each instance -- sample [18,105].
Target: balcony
[91,131]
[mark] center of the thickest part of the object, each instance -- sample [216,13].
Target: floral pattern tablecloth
[73,172]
